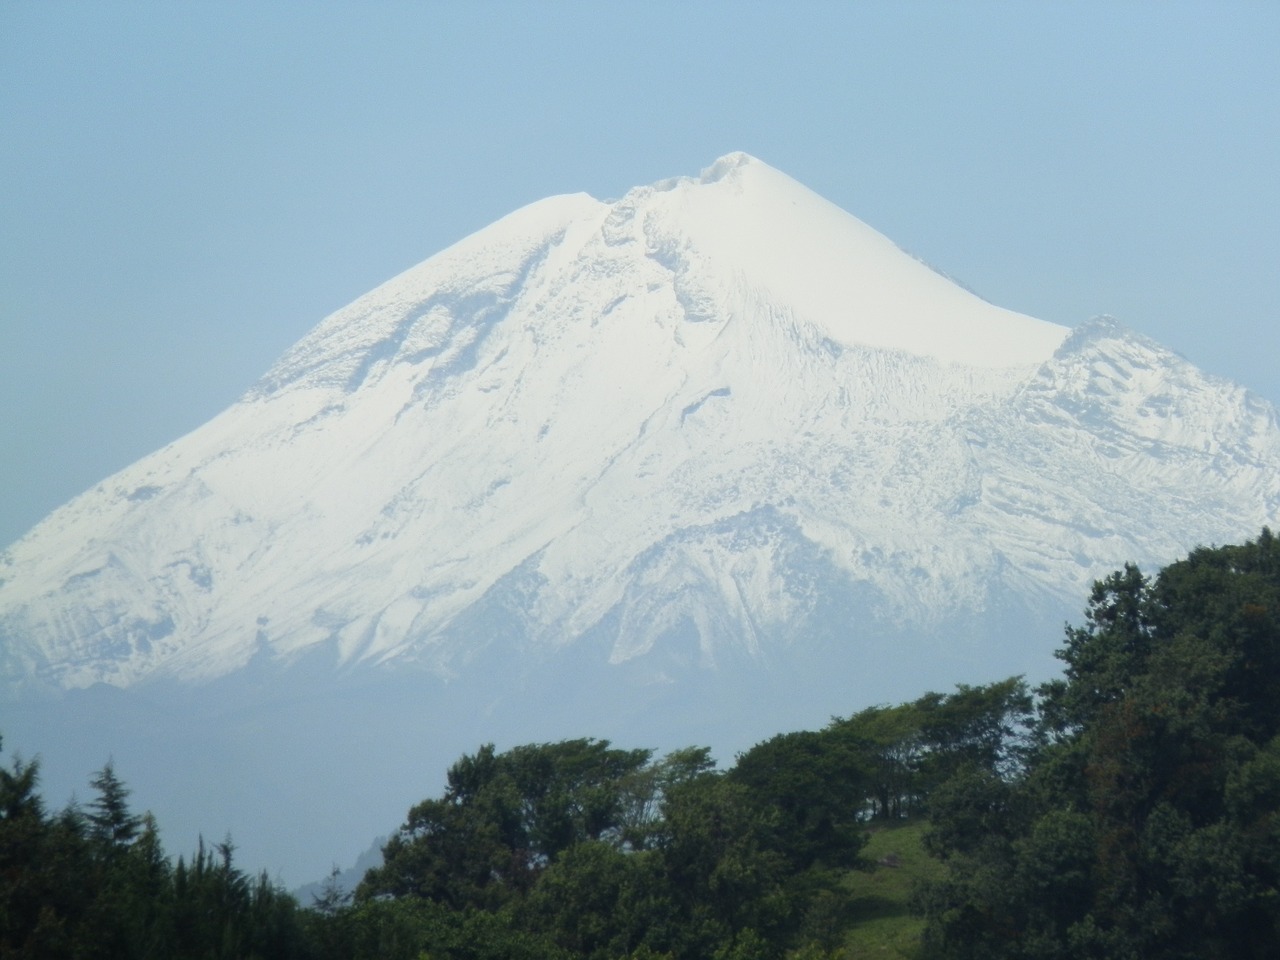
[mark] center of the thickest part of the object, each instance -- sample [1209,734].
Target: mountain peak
[710,409]
[745,229]
[726,166]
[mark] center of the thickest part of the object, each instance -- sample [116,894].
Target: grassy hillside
[882,921]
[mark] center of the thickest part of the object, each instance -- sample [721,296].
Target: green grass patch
[881,924]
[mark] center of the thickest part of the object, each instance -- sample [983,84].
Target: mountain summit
[717,417]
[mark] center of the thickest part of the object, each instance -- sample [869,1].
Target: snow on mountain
[718,416]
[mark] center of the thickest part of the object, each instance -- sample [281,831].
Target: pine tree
[110,820]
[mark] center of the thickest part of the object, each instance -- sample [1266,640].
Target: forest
[1129,808]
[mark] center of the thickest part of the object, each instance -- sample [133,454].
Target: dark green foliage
[907,750]
[644,790]
[811,784]
[598,901]
[1145,823]
[503,819]
[98,885]
[607,853]
[1134,812]
[411,928]
[40,861]
[110,821]
[721,862]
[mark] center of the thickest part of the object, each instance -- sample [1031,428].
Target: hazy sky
[187,188]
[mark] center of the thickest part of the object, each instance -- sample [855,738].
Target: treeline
[95,883]
[558,850]
[591,851]
[1129,809]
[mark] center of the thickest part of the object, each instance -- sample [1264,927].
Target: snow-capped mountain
[698,466]
[718,418]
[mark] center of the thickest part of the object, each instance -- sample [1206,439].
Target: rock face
[698,466]
[717,418]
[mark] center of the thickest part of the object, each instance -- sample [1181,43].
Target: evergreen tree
[93,885]
[110,820]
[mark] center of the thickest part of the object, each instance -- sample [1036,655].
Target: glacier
[715,452]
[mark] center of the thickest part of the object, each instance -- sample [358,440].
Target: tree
[110,821]
[643,791]
[503,819]
[598,901]
[1147,820]
[814,783]
[723,868]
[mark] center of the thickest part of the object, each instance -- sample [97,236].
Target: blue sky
[185,189]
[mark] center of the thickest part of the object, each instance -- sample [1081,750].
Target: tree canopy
[1147,820]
